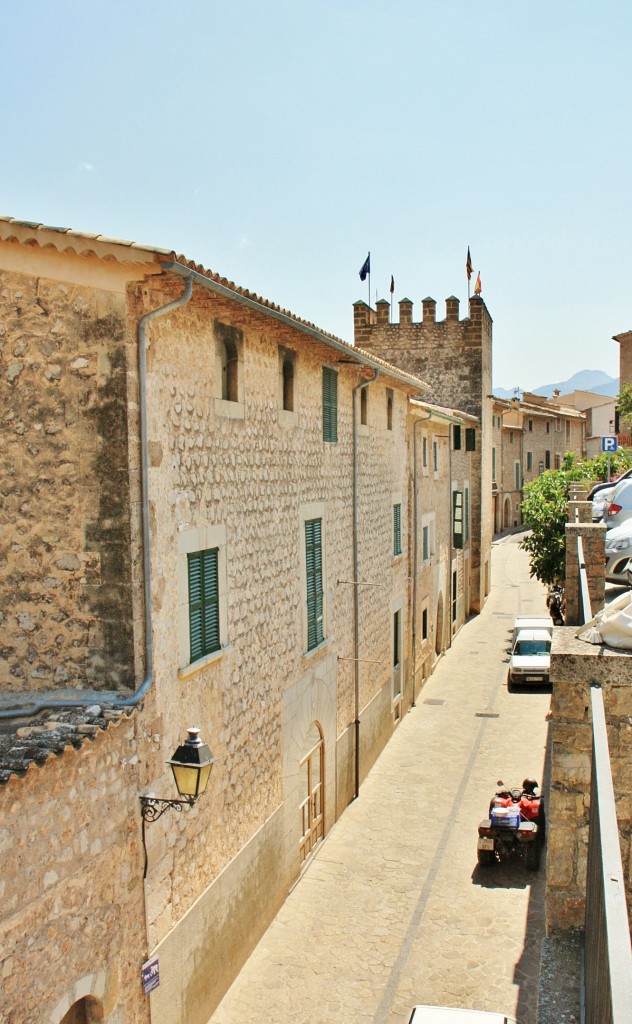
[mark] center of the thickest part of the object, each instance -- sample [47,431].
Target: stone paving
[394,910]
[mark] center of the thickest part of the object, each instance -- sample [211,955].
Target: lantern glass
[191,766]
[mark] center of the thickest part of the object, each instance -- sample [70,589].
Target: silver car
[620,507]
[618,553]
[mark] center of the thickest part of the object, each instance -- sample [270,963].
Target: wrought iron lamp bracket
[152,807]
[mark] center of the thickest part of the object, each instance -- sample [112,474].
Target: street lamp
[191,766]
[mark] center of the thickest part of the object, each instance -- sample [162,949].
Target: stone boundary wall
[594,540]
[574,666]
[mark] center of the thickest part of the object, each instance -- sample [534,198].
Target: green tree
[544,514]
[544,510]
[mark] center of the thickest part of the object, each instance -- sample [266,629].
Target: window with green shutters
[330,404]
[203,603]
[397,529]
[466,512]
[314,573]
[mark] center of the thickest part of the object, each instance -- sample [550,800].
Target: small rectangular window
[397,529]
[568,431]
[425,545]
[314,576]
[517,474]
[424,624]
[511,437]
[529,460]
[456,437]
[424,452]
[330,404]
[547,459]
[364,406]
[470,439]
[203,603]
[548,427]
[530,424]
[389,409]
[435,457]
[494,464]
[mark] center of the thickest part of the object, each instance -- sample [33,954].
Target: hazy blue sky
[277,142]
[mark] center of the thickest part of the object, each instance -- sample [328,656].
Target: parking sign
[609,444]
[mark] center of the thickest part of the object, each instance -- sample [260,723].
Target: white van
[530,660]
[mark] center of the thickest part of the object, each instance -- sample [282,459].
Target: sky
[279,142]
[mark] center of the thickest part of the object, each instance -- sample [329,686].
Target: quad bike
[516,822]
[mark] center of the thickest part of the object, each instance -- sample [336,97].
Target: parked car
[530,659]
[606,484]
[600,503]
[618,553]
[448,1015]
[620,507]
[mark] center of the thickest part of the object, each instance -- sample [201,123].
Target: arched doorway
[85,1011]
[312,790]
[507,514]
[439,626]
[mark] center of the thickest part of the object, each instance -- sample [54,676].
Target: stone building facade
[164,426]
[530,436]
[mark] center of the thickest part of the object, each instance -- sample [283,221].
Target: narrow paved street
[394,909]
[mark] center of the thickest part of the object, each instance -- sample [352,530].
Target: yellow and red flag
[478,286]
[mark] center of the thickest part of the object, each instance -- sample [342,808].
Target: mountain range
[596,381]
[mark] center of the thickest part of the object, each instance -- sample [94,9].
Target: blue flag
[365,268]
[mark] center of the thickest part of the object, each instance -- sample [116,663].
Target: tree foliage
[544,509]
[544,514]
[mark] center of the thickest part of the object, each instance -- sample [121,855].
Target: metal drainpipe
[356,584]
[423,419]
[92,696]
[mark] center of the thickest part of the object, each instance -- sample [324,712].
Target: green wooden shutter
[330,404]
[203,603]
[457,519]
[314,573]
[397,529]
[470,439]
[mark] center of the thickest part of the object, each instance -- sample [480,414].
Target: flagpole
[369,277]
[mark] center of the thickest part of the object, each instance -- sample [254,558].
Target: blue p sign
[609,444]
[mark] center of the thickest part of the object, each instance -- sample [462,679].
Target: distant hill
[586,380]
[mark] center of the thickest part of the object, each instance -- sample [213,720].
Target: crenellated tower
[454,357]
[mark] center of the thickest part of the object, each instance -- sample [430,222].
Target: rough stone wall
[71,889]
[574,666]
[64,488]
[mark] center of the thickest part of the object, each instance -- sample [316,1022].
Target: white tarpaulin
[611,626]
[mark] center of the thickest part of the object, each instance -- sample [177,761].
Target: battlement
[453,355]
[365,316]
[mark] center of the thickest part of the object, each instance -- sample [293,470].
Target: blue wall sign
[150,972]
